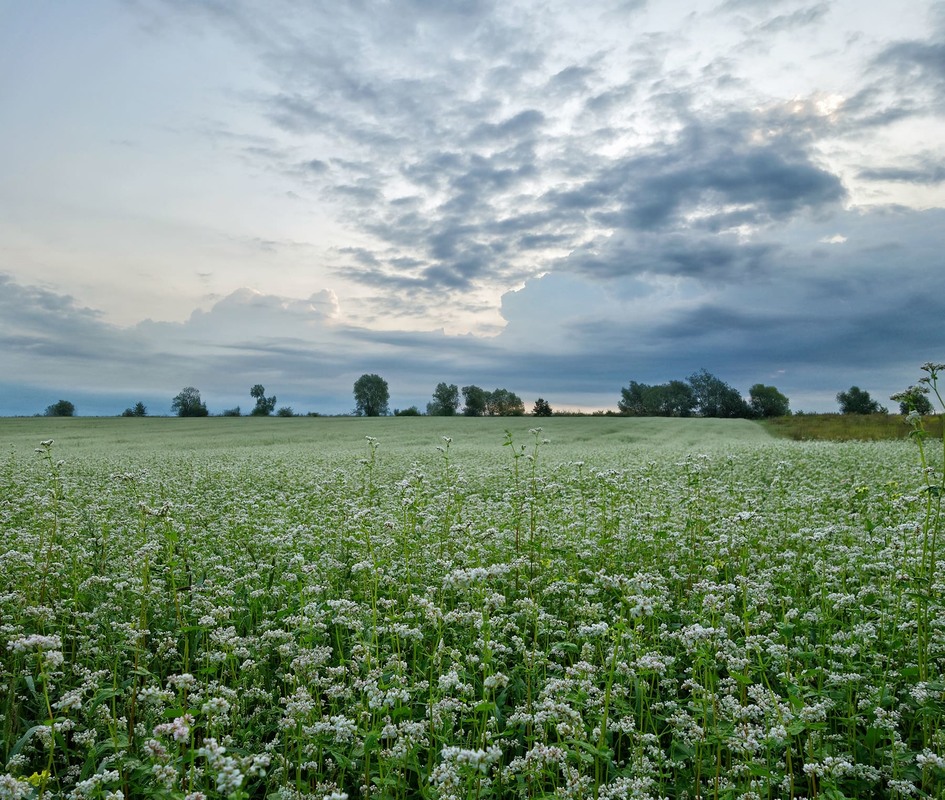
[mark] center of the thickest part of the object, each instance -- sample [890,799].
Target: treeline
[701,394]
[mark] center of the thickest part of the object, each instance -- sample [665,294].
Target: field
[467,608]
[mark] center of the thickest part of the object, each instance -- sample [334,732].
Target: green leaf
[24,739]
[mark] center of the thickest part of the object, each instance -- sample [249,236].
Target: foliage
[475,399]
[231,412]
[915,398]
[264,405]
[371,396]
[715,398]
[503,403]
[858,401]
[767,402]
[61,408]
[542,408]
[139,410]
[413,411]
[445,400]
[673,399]
[188,403]
[471,620]
[285,411]
[842,427]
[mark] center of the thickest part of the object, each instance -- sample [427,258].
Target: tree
[767,401]
[188,403]
[285,411]
[371,396]
[914,399]
[413,411]
[715,398]
[475,401]
[231,412]
[857,401]
[264,405]
[673,399]
[62,408]
[445,401]
[542,408]
[139,410]
[503,403]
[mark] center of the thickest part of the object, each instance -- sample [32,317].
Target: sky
[550,197]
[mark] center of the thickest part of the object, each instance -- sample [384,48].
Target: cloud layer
[558,201]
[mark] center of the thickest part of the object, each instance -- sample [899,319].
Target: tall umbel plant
[924,580]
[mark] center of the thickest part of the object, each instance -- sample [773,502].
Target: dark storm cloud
[681,217]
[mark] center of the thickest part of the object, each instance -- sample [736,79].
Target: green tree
[188,403]
[231,412]
[264,405]
[413,411]
[542,408]
[445,401]
[503,403]
[914,399]
[767,401]
[285,411]
[673,399]
[715,398]
[858,401]
[371,396]
[61,408]
[139,410]
[475,401]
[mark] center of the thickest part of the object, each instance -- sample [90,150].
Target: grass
[340,435]
[602,608]
[847,427]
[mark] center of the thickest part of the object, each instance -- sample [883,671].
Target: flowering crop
[758,620]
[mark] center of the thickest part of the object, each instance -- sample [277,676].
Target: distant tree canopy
[542,408]
[413,411]
[701,393]
[503,403]
[445,401]
[767,402]
[61,408]
[264,405]
[673,399]
[475,400]
[285,411]
[858,401]
[715,398]
[138,410]
[371,396]
[188,403]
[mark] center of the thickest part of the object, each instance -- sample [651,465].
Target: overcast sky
[552,197]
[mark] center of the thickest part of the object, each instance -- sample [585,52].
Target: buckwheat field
[467,608]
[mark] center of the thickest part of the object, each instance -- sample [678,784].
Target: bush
[63,408]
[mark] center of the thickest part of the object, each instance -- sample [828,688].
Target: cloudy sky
[547,196]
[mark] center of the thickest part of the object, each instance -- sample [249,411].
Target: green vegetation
[704,394]
[188,403]
[542,408]
[445,401]
[62,408]
[845,427]
[371,396]
[858,401]
[264,405]
[602,607]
